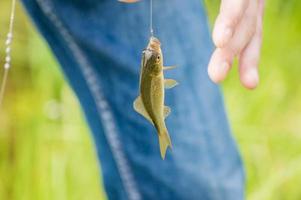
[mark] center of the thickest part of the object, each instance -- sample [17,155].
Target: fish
[150,101]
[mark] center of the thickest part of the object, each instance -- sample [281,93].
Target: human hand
[237,33]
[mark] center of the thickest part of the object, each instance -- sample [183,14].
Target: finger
[220,64]
[245,29]
[222,58]
[230,14]
[249,58]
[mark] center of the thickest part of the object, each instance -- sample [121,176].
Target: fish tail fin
[165,142]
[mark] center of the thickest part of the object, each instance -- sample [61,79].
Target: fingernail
[252,78]
[220,72]
[223,69]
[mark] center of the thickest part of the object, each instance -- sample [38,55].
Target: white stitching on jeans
[103,107]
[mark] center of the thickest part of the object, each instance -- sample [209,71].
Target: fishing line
[151,17]
[8,43]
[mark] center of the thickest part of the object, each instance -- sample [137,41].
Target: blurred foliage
[45,148]
[46,151]
[267,121]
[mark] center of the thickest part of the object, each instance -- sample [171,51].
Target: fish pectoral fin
[139,107]
[170,83]
[167,111]
[169,67]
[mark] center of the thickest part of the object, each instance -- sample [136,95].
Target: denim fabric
[98,44]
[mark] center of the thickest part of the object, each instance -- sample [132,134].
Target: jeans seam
[103,108]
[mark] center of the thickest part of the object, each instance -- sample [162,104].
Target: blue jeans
[98,44]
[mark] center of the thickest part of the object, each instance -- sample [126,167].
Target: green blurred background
[45,147]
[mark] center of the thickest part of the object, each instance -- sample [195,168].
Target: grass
[45,147]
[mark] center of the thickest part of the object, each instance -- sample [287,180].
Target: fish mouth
[154,45]
[147,54]
[153,48]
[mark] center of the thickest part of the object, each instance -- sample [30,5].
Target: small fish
[150,102]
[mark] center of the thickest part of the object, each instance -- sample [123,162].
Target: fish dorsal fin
[139,107]
[167,111]
[170,83]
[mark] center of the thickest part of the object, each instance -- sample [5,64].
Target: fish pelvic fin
[164,142]
[139,108]
[167,111]
[170,83]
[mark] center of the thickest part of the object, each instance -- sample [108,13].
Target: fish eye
[158,58]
